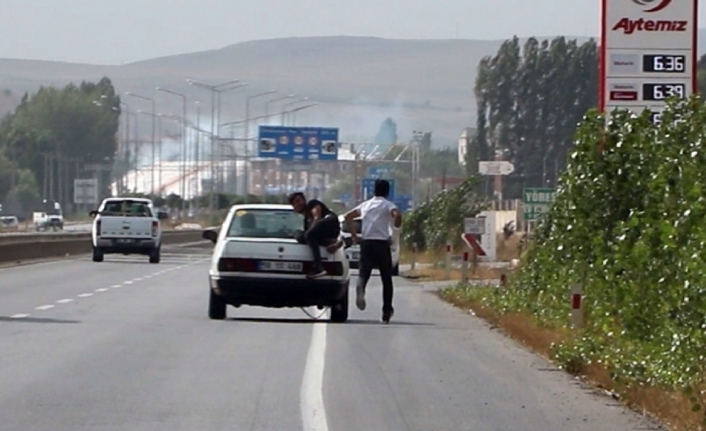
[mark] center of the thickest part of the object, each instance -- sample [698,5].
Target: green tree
[529,101]
[702,77]
[26,192]
[75,122]
[7,173]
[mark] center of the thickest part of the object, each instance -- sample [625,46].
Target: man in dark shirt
[321,228]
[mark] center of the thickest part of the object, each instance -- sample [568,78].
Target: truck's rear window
[127,209]
[265,224]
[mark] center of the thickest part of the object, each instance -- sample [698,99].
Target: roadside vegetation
[627,225]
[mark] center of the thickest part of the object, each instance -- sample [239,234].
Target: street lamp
[247,109]
[184,153]
[267,104]
[157,117]
[214,89]
[154,114]
[285,111]
[295,110]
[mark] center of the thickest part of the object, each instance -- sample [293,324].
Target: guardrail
[21,247]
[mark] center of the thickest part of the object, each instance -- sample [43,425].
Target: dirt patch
[673,409]
[440,274]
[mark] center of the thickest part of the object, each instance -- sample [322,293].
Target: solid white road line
[311,395]
[44,307]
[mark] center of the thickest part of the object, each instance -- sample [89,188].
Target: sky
[123,31]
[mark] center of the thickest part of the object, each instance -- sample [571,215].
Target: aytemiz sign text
[648,53]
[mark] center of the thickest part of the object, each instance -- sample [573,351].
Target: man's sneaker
[316,273]
[387,315]
[360,297]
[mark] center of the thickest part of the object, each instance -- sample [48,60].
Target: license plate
[269,265]
[125,241]
[355,256]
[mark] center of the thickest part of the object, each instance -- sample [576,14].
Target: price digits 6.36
[662,63]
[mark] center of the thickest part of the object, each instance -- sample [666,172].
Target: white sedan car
[353,251]
[257,261]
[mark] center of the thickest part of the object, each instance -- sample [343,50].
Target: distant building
[463,142]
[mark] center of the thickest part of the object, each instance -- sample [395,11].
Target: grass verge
[675,409]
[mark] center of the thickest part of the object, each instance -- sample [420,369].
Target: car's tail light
[98,228]
[333,268]
[229,264]
[155,228]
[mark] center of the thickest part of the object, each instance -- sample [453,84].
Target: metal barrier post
[447,266]
[414,256]
[464,268]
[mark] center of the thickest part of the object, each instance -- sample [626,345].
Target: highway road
[125,345]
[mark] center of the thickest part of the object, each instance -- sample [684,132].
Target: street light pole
[154,114]
[155,117]
[213,89]
[247,136]
[267,104]
[184,153]
[221,175]
[285,111]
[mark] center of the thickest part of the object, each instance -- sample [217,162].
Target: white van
[353,252]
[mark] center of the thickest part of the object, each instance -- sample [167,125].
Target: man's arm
[397,217]
[350,220]
[316,212]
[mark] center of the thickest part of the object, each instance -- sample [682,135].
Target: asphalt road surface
[125,345]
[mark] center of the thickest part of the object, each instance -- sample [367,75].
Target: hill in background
[358,81]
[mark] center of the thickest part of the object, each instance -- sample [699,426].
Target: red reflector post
[576,301]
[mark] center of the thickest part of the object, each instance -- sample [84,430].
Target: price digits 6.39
[652,92]
[661,63]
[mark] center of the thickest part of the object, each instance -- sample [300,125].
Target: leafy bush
[434,222]
[628,224]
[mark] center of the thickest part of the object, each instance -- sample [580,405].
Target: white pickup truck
[127,226]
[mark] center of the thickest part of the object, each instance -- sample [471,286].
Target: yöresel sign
[648,53]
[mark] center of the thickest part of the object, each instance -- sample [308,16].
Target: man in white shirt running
[378,214]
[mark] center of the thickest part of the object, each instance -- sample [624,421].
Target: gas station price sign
[648,54]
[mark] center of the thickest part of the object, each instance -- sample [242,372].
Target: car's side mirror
[93,213]
[161,215]
[210,235]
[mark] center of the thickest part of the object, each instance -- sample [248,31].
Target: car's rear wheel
[339,311]
[97,255]
[216,307]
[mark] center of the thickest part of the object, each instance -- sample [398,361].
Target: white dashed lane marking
[103,289]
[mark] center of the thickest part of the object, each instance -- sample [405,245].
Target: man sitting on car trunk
[321,228]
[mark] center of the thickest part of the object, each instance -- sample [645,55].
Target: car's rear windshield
[265,223]
[127,208]
[358,226]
